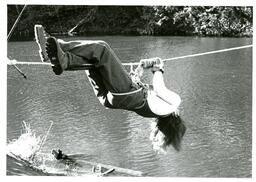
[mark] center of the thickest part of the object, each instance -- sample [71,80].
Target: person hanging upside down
[113,85]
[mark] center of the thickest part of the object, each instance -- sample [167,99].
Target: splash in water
[27,145]
[27,149]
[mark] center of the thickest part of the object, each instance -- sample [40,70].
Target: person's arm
[144,64]
[164,93]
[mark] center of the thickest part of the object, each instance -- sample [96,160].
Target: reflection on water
[216,92]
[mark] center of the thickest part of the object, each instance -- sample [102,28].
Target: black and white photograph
[115,90]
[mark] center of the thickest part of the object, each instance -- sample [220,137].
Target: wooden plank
[117,169]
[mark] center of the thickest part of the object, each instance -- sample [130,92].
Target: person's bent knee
[100,47]
[102,43]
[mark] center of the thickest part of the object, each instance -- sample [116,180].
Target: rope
[9,36]
[210,52]
[45,137]
[14,62]
[18,69]
[42,141]
[15,23]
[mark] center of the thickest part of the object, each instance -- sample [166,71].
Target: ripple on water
[216,106]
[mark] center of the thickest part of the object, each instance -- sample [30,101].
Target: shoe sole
[52,52]
[41,40]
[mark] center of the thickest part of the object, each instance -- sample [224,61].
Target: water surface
[216,92]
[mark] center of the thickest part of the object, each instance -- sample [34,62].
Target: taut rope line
[14,62]
[210,52]
[42,141]
[9,36]
[15,23]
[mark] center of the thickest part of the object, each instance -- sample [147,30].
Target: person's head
[58,155]
[172,129]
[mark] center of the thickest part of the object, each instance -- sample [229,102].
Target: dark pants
[108,74]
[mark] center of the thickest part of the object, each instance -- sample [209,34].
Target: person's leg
[108,66]
[61,60]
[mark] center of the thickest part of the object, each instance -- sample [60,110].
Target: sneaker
[56,55]
[41,36]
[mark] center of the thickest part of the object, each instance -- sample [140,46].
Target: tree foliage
[134,20]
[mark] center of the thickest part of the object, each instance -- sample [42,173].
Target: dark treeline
[133,20]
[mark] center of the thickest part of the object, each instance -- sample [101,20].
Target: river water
[216,92]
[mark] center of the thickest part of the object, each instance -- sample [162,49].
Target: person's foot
[56,55]
[41,36]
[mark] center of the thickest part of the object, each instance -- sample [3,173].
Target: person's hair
[173,128]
